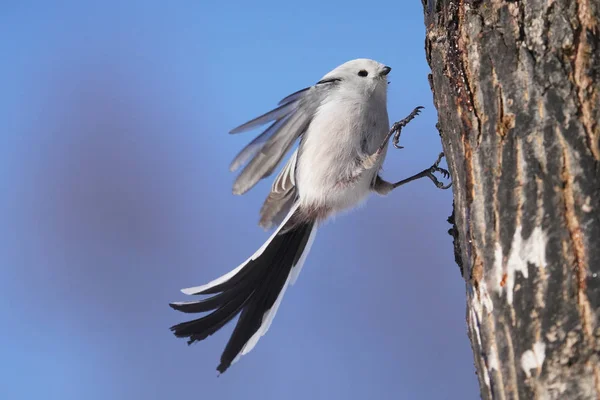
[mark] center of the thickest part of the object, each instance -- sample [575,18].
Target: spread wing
[282,195]
[291,119]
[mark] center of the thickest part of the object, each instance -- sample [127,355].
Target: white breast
[337,136]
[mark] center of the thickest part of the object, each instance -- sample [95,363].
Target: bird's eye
[363,73]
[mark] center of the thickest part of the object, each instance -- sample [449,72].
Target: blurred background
[115,194]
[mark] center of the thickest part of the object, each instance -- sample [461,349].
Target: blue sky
[114,160]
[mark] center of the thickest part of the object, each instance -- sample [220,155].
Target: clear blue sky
[116,193]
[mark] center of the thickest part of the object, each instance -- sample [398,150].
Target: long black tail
[255,289]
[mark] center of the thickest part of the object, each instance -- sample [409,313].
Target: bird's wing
[292,118]
[282,195]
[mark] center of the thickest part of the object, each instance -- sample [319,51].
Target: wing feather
[282,195]
[266,151]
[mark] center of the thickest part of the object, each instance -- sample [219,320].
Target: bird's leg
[397,127]
[383,187]
[371,160]
[429,173]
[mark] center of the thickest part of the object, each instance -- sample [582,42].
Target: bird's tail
[255,289]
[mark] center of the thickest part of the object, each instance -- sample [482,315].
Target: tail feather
[205,305]
[255,289]
[257,316]
[301,257]
[202,328]
[236,275]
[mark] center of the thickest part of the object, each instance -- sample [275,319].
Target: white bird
[343,127]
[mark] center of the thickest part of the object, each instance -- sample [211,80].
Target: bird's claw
[397,126]
[435,168]
[444,172]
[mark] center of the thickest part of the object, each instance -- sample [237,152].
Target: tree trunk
[517,88]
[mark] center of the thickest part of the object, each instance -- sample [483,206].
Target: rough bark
[517,88]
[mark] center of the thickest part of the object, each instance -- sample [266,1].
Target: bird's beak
[386,70]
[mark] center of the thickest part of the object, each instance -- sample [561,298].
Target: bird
[342,128]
